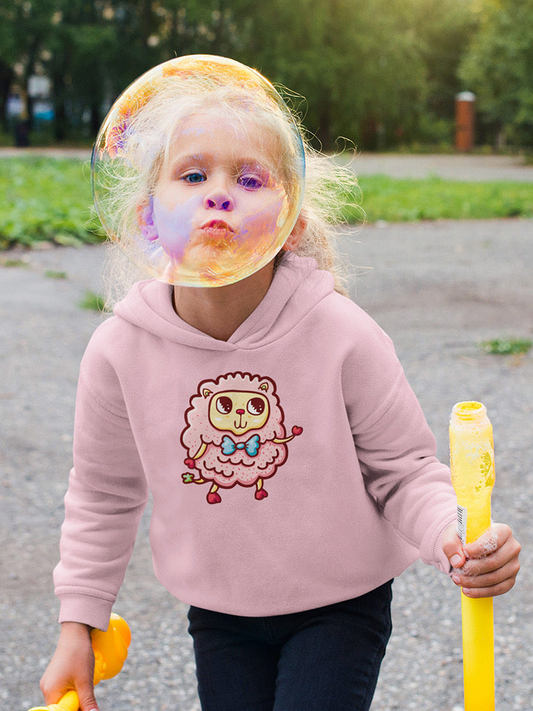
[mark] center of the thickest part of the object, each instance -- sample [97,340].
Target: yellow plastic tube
[110,652]
[472,465]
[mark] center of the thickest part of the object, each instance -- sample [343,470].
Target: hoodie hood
[297,287]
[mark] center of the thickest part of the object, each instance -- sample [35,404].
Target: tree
[358,64]
[498,67]
[444,29]
[7,61]
[25,28]
[368,69]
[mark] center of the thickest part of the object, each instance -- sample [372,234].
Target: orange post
[465,103]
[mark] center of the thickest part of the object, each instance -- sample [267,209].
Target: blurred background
[383,74]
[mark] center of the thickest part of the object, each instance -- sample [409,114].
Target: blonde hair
[144,148]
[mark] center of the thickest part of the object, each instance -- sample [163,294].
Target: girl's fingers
[507,553]
[491,584]
[493,591]
[492,564]
[493,539]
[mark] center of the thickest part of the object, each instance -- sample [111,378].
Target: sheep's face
[238,411]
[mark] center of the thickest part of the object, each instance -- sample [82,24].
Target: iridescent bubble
[198,171]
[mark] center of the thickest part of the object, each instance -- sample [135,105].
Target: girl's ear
[145,218]
[293,240]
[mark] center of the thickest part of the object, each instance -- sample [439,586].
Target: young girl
[292,471]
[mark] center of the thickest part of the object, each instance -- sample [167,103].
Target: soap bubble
[198,171]
[489,542]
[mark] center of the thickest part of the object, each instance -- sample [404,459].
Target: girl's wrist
[75,629]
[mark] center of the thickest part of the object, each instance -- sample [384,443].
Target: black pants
[326,659]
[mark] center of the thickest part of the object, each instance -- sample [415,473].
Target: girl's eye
[194,177]
[251,181]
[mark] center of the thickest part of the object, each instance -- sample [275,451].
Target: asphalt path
[438,289]
[464,167]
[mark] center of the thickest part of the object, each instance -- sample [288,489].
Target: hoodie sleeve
[105,499]
[395,447]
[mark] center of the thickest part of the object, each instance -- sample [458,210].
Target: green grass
[92,302]
[507,346]
[395,200]
[47,199]
[20,263]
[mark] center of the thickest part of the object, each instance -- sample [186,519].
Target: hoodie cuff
[86,609]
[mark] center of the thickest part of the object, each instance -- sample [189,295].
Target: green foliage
[378,72]
[498,67]
[358,64]
[46,200]
[444,29]
[507,346]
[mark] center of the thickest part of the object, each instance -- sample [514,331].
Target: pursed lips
[217,228]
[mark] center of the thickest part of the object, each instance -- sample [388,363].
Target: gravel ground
[438,289]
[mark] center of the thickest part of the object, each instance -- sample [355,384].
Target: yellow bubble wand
[472,465]
[110,652]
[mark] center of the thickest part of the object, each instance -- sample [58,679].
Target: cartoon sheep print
[235,434]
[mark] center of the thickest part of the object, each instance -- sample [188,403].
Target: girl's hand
[487,567]
[71,667]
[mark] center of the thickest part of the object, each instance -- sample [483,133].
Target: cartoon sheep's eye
[256,406]
[224,405]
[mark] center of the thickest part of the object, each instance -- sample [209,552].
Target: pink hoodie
[291,467]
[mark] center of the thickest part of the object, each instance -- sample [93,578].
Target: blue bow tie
[251,446]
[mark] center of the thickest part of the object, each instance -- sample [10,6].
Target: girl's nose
[218,199]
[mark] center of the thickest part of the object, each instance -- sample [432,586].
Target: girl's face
[218,197]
